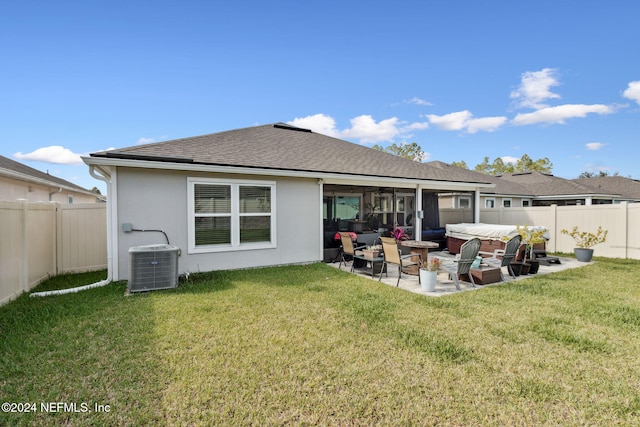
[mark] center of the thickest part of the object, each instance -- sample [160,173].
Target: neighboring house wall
[501,200]
[13,189]
[157,200]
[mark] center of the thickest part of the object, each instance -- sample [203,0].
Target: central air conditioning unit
[153,267]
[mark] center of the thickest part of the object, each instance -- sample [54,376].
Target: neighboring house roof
[627,188]
[16,170]
[544,185]
[283,147]
[502,187]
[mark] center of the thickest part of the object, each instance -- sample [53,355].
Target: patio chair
[468,253]
[392,255]
[348,248]
[503,258]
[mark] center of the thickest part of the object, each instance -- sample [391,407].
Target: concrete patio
[446,286]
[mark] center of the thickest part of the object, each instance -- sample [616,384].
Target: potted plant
[530,238]
[373,251]
[429,273]
[585,240]
[399,234]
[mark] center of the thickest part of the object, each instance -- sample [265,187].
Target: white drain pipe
[102,176]
[71,290]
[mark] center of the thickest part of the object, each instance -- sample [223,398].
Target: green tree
[409,151]
[524,164]
[497,167]
[484,167]
[96,190]
[598,175]
[461,164]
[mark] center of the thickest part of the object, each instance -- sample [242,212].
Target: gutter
[328,177]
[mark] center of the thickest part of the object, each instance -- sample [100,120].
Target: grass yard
[313,345]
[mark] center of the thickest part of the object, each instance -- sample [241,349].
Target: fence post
[555,231]
[625,206]
[24,262]
[57,236]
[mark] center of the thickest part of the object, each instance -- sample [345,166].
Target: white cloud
[363,128]
[451,121]
[534,89]
[367,130]
[52,154]
[417,101]
[593,146]
[464,120]
[560,113]
[319,123]
[144,140]
[487,124]
[633,91]
[509,159]
[416,126]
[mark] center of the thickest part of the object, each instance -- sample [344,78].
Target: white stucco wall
[152,199]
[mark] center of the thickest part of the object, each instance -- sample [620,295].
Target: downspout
[106,179]
[54,192]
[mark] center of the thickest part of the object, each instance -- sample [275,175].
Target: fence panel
[455,216]
[632,242]
[621,220]
[39,240]
[12,250]
[82,234]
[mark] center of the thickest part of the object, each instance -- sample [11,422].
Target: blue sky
[463,79]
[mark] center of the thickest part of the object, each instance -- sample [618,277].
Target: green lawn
[313,345]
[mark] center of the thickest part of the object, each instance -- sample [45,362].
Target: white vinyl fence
[40,240]
[621,220]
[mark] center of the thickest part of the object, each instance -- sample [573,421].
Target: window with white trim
[526,203]
[506,203]
[230,215]
[489,203]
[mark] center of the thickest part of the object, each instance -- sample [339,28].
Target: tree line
[498,166]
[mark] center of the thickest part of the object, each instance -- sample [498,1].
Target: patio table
[418,247]
[376,260]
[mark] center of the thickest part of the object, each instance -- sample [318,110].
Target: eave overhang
[188,165]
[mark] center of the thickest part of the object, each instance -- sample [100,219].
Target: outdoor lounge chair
[503,258]
[468,253]
[347,248]
[393,256]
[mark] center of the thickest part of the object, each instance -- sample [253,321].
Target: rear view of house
[260,196]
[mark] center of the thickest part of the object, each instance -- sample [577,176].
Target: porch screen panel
[212,214]
[255,213]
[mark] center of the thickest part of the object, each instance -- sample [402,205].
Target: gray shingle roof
[626,187]
[17,167]
[283,147]
[501,186]
[541,185]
